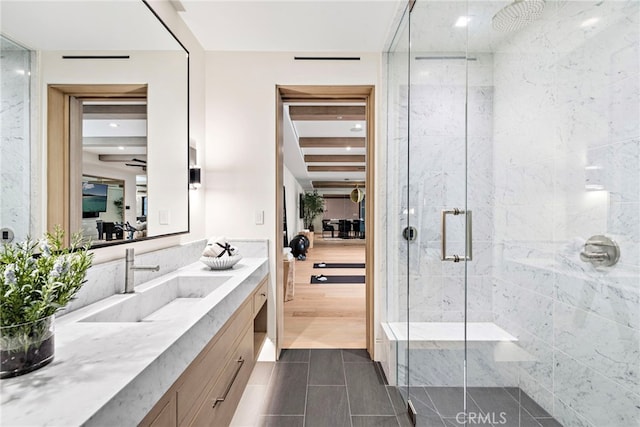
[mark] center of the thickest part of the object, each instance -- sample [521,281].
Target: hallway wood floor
[327,315]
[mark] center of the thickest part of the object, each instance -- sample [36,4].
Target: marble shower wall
[15,186]
[437,139]
[566,167]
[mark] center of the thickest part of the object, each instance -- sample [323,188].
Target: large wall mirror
[109,101]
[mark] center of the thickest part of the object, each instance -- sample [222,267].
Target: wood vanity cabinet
[208,391]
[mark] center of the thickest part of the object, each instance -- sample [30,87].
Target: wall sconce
[194,177]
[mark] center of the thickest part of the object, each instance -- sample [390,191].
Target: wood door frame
[64,151]
[348,93]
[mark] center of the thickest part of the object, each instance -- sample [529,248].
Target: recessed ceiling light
[121,148]
[348,148]
[356,128]
[114,125]
[462,21]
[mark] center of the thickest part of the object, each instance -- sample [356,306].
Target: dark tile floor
[336,388]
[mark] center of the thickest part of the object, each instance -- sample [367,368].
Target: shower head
[517,15]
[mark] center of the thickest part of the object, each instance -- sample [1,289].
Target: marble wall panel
[609,297]
[15,151]
[568,416]
[601,401]
[444,367]
[605,346]
[578,82]
[523,308]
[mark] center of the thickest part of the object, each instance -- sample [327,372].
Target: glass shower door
[440,253]
[395,325]
[521,178]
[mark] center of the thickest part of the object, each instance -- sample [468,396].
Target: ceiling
[83,25]
[291,25]
[324,145]
[115,133]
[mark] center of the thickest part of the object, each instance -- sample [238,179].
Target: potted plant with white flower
[37,279]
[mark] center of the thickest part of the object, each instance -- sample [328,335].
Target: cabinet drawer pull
[240,362]
[263,294]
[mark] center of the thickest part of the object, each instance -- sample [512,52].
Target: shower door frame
[459,212]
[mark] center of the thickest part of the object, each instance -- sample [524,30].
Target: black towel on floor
[338,265]
[321,278]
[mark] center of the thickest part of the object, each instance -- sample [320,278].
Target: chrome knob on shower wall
[600,251]
[6,235]
[409,233]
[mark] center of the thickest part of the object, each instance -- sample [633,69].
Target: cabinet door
[230,386]
[209,365]
[167,416]
[259,297]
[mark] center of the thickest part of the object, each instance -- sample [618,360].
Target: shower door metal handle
[443,227]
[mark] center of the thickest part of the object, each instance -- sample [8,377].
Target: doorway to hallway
[321,314]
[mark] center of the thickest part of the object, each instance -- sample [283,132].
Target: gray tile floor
[336,388]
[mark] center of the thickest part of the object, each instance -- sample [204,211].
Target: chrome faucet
[129,269]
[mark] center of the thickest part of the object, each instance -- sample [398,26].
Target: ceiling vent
[326,58]
[95,56]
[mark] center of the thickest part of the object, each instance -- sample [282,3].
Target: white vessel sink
[155,302]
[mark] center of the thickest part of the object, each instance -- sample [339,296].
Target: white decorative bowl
[222,263]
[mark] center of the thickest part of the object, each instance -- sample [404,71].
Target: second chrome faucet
[130,267]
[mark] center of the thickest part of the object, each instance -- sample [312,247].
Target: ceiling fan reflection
[139,163]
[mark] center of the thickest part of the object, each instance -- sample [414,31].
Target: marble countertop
[110,374]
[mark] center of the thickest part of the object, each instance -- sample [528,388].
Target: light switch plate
[259,217]
[164,217]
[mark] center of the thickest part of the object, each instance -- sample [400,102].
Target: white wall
[293,190]
[240,161]
[340,208]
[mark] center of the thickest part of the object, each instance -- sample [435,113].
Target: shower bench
[437,351]
[441,332]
